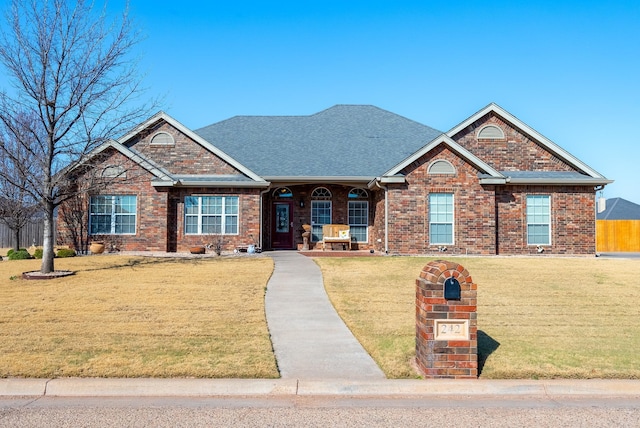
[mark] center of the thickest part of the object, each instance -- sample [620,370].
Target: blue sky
[569,69]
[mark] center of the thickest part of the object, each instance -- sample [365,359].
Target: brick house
[490,185]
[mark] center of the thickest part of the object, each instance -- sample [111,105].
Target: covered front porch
[288,207]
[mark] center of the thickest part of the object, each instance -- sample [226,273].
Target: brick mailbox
[446,322]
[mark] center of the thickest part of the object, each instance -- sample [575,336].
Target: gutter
[218,184]
[560,182]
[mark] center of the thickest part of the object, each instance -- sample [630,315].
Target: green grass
[537,317]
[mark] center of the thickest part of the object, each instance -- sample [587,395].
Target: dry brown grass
[123,316]
[539,317]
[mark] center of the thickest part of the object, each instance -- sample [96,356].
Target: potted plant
[197,249]
[97,245]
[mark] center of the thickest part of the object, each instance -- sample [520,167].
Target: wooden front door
[282,225]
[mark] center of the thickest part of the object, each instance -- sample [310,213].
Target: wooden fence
[614,236]
[30,234]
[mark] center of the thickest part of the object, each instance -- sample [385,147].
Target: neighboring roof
[349,142]
[541,139]
[619,209]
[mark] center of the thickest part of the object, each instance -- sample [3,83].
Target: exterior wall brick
[184,157]
[572,219]
[488,219]
[248,221]
[151,219]
[474,216]
[516,152]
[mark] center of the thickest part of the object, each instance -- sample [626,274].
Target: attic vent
[441,167]
[162,139]
[114,171]
[491,132]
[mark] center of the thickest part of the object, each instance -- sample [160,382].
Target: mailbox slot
[452,289]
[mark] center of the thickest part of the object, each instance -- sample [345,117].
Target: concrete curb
[168,387]
[94,387]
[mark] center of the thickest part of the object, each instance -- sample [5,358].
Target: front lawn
[122,316]
[537,317]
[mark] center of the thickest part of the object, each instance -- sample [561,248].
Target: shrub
[21,254]
[37,254]
[65,252]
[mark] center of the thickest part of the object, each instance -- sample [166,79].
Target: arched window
[320,211]
[358,193]
[162,139]
[491,132]
[321,193]
[282,192]
[441,167]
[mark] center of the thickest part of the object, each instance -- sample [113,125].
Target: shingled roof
[620,209]
[343,141]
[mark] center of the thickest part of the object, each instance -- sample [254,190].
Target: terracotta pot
[197,250]
[96,247]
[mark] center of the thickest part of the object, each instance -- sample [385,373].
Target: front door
[282,226]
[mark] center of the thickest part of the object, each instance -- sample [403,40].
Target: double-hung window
[538,220]
[112,215]
[358,215]
[320,215]
[211,215]
[359,220]
[441,218]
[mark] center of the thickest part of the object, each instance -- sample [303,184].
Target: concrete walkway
[309,338]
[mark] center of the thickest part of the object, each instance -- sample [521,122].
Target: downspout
[386,216]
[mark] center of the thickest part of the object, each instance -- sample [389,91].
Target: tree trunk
[16,239]
[47,245]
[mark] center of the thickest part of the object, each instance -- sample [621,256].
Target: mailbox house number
[447,330]
[451,329]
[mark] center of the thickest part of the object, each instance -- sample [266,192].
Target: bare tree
[17,205]
[73,71]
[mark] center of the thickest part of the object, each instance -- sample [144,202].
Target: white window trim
[550,224]
[366,226]
[113,216]
[223,216]
[453,220]
[313,202]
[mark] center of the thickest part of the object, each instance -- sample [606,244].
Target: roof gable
[544,142]
[161,116]
[155,170]
[478,163]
